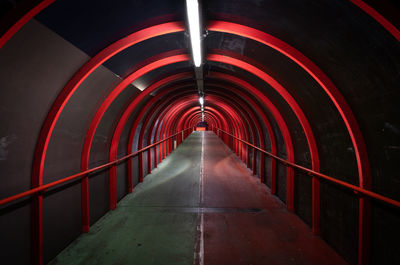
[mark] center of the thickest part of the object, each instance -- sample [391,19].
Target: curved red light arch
[79,77]
[196,114]
[317,74]
[235,127]
[378,17]
[274,111]
[23,20]
[167,102]
[58,106]
[130,145]
[151,140]
[128,112]
[125,116]
[54,113]
[167,127]
[165,60]
[141,135]
[217,115]
[237,81]
[271,133]
[242,114]
[163,111]
[363,183]
[236,114]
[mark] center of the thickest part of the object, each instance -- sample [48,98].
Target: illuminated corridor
[102,108]
[189,201]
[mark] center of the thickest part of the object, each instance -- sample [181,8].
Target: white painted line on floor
[201,169]
[201,256]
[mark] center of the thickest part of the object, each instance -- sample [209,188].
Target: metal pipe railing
[82,174]
[356,189]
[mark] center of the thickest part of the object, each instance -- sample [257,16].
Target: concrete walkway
[200,206]
[253,227]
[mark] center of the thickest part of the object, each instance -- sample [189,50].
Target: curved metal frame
[312,69]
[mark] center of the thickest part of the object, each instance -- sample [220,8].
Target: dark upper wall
[92,25]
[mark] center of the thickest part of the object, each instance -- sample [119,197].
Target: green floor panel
[151,225]
[129,237]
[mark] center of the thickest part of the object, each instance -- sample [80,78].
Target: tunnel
[199,132]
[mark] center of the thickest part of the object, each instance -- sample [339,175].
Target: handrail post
[165,149]
[37,230]
[160,150]
[149,161]
[155,154]
[262,168]
[315,205]
[364,230]
[273,176]
[140,167]
[85,204]
[254,162]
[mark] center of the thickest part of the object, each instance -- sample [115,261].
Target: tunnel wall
[359,55]
[34,71]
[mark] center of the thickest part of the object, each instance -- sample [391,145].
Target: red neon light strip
[149,138]
[235,109]
[271,133]
[124,118]
[22,21]
[259,129]
[55,112]
[155,120]
[144,126]
[378,17]
[79,77]
[317,74]
[341,105]
[107,102]
[296,109]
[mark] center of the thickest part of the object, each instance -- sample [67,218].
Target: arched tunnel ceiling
[318,78]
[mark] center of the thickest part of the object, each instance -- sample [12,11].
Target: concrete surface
[199,208]
[152,225]
[254,227]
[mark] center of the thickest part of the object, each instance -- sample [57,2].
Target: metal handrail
[320,175]
[82,174]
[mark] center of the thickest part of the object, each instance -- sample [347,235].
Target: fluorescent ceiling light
[194,30]
[201,100]
[139,85]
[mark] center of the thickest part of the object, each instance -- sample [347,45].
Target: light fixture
[139,85]
[201,100]
[192,7]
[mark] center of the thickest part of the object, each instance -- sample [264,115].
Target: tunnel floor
[200,206]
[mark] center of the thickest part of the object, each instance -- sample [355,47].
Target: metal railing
[44,188]
[310,172]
